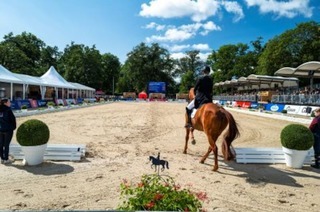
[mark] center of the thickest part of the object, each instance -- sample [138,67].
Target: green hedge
[32,133]
[297,137]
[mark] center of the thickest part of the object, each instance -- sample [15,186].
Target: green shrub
[24,107]
[32,132]
[284,111]
[154,193]
[51,104]
[313,114]
[297,137]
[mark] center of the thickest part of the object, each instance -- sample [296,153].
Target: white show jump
[62,152]
[265,155]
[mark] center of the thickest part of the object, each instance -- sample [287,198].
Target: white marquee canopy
[50,79]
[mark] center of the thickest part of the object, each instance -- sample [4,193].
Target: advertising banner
[157,87]
[275,107]
[292,109]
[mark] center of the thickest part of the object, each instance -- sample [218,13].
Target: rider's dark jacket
[203,90]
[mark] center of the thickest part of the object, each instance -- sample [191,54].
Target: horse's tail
[167,164]
[232,133]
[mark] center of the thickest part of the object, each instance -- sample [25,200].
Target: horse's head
[191,94]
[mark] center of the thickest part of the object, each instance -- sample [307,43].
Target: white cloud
[182,33]
[208,27]
[153,25]
[171,35]
[234,7]
[197,10]
[287,9]
[201,47]
[204,56]
[178,48]
[178,55]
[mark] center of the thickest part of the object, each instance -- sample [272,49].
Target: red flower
[149,205]
[158,197]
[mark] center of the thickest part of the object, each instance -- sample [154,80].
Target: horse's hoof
[184,152]
[193,142]
[215,169]
[202,161]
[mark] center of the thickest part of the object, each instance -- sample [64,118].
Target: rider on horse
[203,94]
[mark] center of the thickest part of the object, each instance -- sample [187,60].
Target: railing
[300,99]
[252,98]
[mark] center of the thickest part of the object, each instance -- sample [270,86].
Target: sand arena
[121,136]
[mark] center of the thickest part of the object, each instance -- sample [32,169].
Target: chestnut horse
[212,119]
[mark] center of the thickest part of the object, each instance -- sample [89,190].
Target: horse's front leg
[215,152]
[205,156]
[193,141]
[186,141]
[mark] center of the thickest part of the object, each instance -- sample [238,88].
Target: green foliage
[312,114]
[156,193]
[51,104]
[187,81]
[235,60]
[33,132]
[145,64]
[284,111]
[297,137]
[24,107]
[291,48]
[22,53]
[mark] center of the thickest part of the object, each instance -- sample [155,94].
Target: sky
[118,26]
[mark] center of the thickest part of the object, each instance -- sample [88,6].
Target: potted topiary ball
[296,140]
[33,136]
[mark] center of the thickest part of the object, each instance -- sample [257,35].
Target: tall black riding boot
[189,123]
[316,164]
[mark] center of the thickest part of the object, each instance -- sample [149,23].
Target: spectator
[315,129]
[7,126]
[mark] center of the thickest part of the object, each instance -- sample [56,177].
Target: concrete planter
[294,158]
[34,154]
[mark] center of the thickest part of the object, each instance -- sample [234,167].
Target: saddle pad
[193,113]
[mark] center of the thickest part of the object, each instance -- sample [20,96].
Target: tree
[145,64]
[291,48]
[110,72]
[188,68]
[82,64]
[187,81]
[238,60]
[22,53]
[50,56]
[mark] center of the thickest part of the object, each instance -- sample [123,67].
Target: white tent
[7,77]
[52,77]
[10,81]
[82,88]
